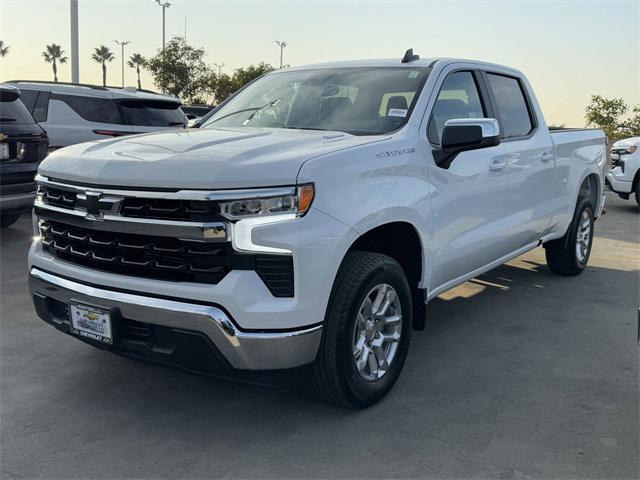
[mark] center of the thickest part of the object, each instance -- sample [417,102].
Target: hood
[627,142]
[197,158]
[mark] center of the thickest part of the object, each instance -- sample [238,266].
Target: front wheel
[569,255]
[366,333]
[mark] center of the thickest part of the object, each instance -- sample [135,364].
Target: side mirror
[463,134]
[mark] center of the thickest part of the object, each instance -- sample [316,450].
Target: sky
[568,49]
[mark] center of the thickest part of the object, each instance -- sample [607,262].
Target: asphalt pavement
[519,374]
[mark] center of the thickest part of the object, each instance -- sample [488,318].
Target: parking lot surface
[519,374]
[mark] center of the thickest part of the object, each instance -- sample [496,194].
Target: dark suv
[23,144]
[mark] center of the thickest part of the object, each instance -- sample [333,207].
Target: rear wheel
[366,333]
[8,219]
[569,255]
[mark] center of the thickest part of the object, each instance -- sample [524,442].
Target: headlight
[297,202]
[626,150]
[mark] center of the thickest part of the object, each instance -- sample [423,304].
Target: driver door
[469,198]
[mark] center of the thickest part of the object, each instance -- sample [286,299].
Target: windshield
[360,101]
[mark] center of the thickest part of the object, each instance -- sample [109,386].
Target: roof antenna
[409,56]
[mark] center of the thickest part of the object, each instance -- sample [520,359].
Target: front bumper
[618,180]
[240,349]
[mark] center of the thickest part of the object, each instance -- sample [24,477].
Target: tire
[335,375]
[637,192]
[563,257]
[8,219]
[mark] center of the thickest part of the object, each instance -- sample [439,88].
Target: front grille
[57,197]
[163,209]
[139,255]
[136,207]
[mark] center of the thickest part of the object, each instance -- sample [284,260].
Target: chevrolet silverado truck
[310,219]
[624,175]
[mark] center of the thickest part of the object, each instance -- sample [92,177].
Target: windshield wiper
[173,124]
[251,109]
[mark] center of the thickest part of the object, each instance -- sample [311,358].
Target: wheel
[637,191]
[8,219]
[366,332]
[569,255]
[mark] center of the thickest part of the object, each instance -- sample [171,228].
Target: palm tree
[4,49]
[53,53]
[136,61]
[103,55]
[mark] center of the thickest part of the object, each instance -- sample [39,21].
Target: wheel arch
[401,241]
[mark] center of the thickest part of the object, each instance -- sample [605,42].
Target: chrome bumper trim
[243,350]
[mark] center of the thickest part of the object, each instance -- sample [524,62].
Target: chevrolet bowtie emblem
[92,202]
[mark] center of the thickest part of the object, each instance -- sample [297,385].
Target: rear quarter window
[513,110]
[99,110]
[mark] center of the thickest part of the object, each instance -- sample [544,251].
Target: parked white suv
[74,113]
[623,177]
[310,219]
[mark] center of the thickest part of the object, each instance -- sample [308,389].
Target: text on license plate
[91,322]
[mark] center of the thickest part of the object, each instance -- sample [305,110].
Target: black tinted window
[41,108]
[458,98]
[511,105]
[29,97]
[101,110]
[14,112]
[152,114]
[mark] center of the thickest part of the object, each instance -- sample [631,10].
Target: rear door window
[99,110]
[513,111]
[458,98]
[146,113]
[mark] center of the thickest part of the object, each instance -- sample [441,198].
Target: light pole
[164,5]
[219,66]
[122,44]
[73,17]
[281,44]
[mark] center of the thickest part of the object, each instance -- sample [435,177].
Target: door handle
[546,156]
[497,165]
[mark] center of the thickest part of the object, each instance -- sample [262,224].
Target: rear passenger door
[530,156]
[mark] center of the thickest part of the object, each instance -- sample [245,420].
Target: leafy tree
[242,76]
[102,55]
[631,127]
[223,85]
[4,49]
[180,69]
[137,61]
[605,113]
[54,54]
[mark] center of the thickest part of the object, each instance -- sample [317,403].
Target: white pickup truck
[310,219]
[624,175]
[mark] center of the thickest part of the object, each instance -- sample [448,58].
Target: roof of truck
[396,62]
[92,90]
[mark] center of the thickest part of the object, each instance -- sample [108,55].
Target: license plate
[4,151]
[91,322]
